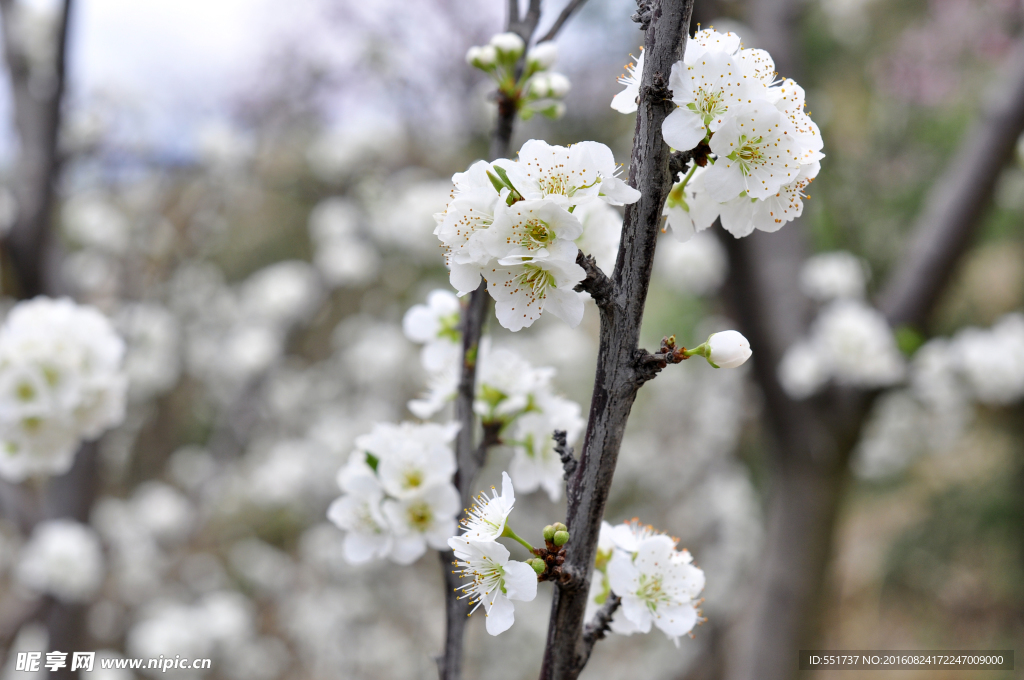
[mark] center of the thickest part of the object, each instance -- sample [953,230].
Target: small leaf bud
[561,538]
[549,533]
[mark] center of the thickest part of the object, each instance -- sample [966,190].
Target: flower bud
[561,538]
[508,45]
[549,532]
[727,349]
[560,527]
[558,85]
[555,111]
[482,58]
[542,56]
[538,565]
[540,86]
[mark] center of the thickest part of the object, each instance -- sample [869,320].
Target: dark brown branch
[956,203]
[597,284]
[562,18]
[615,382]
[564,452]
[600,625]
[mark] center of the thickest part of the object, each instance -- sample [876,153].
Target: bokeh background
[247,189]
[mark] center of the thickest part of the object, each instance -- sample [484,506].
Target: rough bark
[812,440]
[616,380]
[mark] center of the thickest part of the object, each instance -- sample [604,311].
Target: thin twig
[562,18]
[600,625]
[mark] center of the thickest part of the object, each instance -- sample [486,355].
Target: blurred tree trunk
[811,440]
[37,89]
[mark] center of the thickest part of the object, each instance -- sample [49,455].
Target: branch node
[564,452]
[643,14]
[649,365]
[657,91]
[596,283]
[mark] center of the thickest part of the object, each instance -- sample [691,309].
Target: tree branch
[615,383]
[562,18]
[956,203]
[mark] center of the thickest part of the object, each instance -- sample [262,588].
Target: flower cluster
[849,342]
[756,147]
[398,497]
[514,397]
[991,361]
[657,583]
[494,579]
[535,89]
[61,382]
[513,223]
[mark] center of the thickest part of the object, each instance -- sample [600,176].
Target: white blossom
[704,92]
[829,276]
[756,151]
[689,209]
[629,535]
[421,519]
[61,381]
[626,101]
[496,580]
[62,558]
[507,383]
[602,229]
[535,463]
[742,215]
[358,512]
[710,40]
[657,585]
[488,514]
[435,325]
[578,172]
[523,292]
